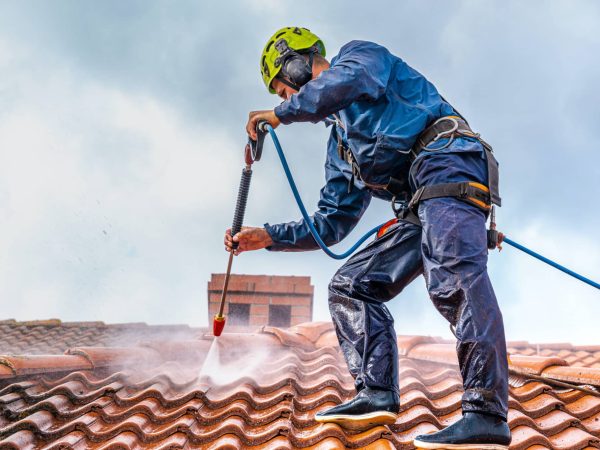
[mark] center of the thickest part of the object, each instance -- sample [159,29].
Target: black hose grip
[492,239]
[240,206]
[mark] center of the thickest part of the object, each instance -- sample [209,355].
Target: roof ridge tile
[42,322]
[35,364]
[8,322]
[573,374]
[289,338]
[116,356]
[312,330]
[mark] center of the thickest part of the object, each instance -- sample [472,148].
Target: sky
[122,132]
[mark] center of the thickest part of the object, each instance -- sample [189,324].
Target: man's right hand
[255,116]
[250,238]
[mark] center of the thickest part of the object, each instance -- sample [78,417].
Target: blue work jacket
[379,105]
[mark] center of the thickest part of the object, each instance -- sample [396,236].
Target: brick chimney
[256,300]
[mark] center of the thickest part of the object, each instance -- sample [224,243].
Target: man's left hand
[255,116]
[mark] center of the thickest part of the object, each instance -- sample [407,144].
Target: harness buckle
[396,209]
[416,198]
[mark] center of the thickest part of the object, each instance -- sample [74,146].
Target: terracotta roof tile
[524,437]
[574,438]
[406,343]
[440,353]
[556,421]
[154,395]
[6,371]
[289,337]
[29,364]
[534,365]
[327,339]
[581,355]
[312,330]
[592,424]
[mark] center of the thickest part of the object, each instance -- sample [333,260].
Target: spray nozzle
[218,325]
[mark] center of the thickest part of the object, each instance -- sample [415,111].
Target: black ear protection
[293,65]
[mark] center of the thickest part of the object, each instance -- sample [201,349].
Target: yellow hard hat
[297,39]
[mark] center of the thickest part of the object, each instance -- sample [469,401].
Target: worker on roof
[394,137]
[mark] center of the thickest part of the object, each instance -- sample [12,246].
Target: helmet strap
[288,83]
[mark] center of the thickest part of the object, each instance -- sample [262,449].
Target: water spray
[252,153]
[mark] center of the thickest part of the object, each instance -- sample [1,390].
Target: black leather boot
[369,408]
[473,431]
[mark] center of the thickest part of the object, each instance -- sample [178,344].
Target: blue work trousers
[450,249]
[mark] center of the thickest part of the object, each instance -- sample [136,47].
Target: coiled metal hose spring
[240,206]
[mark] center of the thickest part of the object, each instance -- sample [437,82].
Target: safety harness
[494,236]
[448,127]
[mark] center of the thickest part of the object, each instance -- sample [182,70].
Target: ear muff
[294,66]
[297,69]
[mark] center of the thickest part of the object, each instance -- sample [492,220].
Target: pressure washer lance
[252,153]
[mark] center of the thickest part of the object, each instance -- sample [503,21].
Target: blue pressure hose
[305,215]
[550,262]
[352,249]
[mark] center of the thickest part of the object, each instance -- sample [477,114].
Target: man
[394,137]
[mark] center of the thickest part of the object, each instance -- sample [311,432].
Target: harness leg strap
[474,193]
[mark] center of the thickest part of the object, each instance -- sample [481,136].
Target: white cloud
[99,191]
[549,305]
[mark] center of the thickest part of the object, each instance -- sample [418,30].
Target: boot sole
[361,421]
[431,445]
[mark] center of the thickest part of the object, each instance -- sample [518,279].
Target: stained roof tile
[30,364]
[115,356]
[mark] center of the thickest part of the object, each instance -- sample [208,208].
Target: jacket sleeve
[338,211]
[360,72]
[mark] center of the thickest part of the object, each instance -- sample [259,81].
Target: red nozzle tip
[218,325]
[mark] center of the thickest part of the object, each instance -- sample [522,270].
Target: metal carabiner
[447,132]
[443,134]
